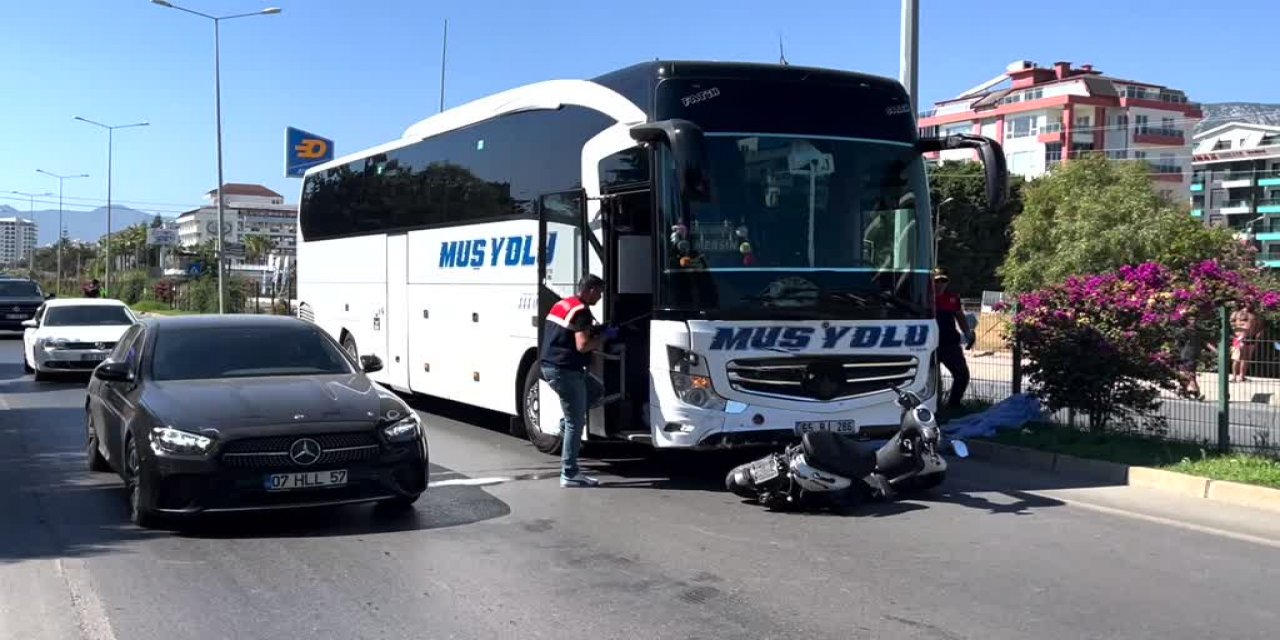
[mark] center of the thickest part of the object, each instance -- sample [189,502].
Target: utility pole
[111,129]
[444,50]
[909,67]
[31,211]
[217,109]
[61,232]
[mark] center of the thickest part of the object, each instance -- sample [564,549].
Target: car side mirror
[50,296]
[113,371]
[30,324]
[370,364]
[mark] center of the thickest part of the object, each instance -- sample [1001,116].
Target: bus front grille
[822,378]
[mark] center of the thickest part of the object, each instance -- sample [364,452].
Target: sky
[361,71]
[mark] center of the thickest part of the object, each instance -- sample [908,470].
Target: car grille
[89,345]
[273,451]
[822,378]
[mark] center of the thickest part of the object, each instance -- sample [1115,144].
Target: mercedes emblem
[304,451]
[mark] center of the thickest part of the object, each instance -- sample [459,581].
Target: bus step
[643,437]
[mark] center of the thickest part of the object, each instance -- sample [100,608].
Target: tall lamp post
[106,278]
[61,179]
[31,211]
[217,101]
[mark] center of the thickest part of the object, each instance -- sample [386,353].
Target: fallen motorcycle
[834,470]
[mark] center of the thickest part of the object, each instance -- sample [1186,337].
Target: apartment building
[248,210]
[17,240]
[1235,183]
[1046,116]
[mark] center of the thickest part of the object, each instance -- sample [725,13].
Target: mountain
[82,226]
[1218,113]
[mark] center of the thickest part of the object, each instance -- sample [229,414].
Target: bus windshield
[801,226]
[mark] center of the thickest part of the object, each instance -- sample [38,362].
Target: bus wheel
[349,345]
[543,442]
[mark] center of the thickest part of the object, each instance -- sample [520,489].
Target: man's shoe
[579,481]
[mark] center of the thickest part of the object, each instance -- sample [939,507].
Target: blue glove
[970,338]
[610,332]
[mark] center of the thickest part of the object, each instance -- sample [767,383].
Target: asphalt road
[497,550]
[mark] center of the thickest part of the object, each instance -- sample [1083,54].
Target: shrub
[1107,344]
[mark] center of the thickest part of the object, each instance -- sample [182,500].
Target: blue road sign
[303,150]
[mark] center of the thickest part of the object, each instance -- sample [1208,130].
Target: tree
[972,240]
[257,247]
[1093,215]
[157,222]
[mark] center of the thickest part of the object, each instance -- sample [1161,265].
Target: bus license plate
[93,357]
[838,426]
[16,316]
[306,480]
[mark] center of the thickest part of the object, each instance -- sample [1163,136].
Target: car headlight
[55,343]
[405,429]
[166,440]
[692,381]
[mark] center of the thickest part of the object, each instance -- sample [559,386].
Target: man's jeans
[578,391]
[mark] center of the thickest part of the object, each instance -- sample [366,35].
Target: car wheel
[26,365]
[96,461]
[398,504]
[138,487]
[543,442]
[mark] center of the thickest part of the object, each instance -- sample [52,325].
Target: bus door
[396,372]
[627,225]
[562,261]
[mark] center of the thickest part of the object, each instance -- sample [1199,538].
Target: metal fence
[1230,413]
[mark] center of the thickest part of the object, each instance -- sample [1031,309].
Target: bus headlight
[933,379]
[691,381]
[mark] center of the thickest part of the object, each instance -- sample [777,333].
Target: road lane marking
[91,616]
[469,482]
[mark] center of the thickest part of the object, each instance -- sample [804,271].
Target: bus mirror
[688,148]
[992,161]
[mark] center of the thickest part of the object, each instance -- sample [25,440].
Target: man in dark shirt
[569,336]
[952,342]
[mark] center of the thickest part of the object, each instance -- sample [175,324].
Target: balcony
[1269,205]
[1234,207]
[1269,179]
[1137,93]
[1159,135]
[1051,133]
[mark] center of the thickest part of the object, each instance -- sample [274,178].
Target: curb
[1185,485]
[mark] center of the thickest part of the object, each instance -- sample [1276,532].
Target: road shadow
[443,507]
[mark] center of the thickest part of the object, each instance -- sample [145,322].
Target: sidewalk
[998,366]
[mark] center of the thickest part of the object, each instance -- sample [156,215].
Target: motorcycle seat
[838,454]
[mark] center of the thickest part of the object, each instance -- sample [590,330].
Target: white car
[73,334]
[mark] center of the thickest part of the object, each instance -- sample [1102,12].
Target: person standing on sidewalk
[570,334]
[954,336]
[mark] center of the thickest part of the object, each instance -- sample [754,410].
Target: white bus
[764,232]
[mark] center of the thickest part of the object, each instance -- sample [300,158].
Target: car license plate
[16,316]
[838,426]
[764,470]
[305,480]
[92,357]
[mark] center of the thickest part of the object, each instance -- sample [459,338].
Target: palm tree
[257,248]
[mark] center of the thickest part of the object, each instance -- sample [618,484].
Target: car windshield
[20,289]
[238,352]
[86,316]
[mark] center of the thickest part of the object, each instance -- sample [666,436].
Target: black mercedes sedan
[245,412]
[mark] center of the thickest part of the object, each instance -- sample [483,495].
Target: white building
[17,240]
[1236,183]
[248,210]
[1045,116]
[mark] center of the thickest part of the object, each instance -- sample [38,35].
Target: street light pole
[58,288]
[217,101]
[31,211]
[909,65]
[110,143]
